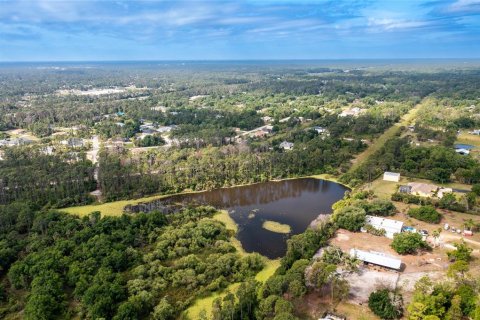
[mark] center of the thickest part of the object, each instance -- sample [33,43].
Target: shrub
[350,218]
[425,213]
[372,230]
[385,304]
[476,189]
[380,207]
[462,252]
[405,243]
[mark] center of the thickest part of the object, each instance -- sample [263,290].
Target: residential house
[267,119]
[285,145]
[320,130]
[423,189]
[164,129]
[73,142]
[19,142]
[390,226]
[353,112]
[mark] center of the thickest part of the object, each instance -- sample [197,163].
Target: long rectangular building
[376,258]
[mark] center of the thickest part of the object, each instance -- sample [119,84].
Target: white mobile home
[390,226]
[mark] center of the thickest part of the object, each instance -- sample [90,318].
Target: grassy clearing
[387,135]
[193,312]
[107,209]
[466,138]
[277,227]
[270,267]
[224,217]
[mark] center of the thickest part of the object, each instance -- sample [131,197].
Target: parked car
[423,232]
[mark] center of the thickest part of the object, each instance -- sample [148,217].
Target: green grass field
[107,209]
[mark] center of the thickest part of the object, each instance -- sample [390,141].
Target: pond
[295,203]
[464,146]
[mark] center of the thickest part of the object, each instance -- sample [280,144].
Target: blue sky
[54,30]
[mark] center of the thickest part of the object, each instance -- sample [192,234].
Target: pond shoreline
[116,208]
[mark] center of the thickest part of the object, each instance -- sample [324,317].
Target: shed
[390,226]
[376,258]
[405,189]
[391,176]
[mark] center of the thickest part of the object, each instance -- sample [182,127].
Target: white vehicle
[446,226]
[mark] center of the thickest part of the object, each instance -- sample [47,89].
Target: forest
[90,135]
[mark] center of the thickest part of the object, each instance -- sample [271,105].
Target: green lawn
[107,209]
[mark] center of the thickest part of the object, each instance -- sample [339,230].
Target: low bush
[407,243]
[385,304]
[425,213]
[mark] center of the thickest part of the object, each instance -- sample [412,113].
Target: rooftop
[377,258]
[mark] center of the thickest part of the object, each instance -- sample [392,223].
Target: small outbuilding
[405,189]
[377,258]
[391,176]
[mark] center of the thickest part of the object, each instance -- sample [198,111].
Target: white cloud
[386,24]
[464,5]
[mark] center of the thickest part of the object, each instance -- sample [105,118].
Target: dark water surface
[294,202]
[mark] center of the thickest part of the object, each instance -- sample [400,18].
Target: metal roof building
[390,226]
[377,258]
[391,176]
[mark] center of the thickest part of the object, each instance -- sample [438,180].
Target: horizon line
[236,60]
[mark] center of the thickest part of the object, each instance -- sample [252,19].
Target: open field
[277,227]
[466,138]
[114,208]
[224,217]
[474,140]
[22,133]
[314,305]
[387,135]
[194,311]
